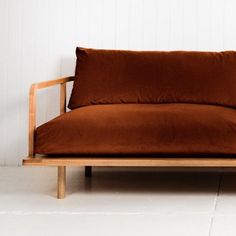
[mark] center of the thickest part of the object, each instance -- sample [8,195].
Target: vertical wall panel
[13,83]
[149,22]
[109,24]
[96,23]
[38,40]
[3,78]
[204,25]
[176,25]
[39,31]
[229,25]
[217,27]
[136,25]
[122,24]
[163,24]
[190,11]
[82,14]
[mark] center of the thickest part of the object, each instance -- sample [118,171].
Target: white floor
[115,201]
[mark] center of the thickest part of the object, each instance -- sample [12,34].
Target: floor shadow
[147,181]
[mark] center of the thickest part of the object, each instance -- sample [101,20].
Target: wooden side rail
[32,123]
[32,105]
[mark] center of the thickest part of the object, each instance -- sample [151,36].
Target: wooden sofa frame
[62,162]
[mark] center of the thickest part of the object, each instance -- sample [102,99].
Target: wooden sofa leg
[61,185]
[88,171]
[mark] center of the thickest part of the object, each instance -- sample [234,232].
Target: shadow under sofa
[140,108]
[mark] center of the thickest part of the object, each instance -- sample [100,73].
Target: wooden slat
[62,98]
[155,162]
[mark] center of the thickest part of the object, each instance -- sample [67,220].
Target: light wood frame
[62,162]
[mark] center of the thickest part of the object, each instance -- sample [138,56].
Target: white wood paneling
[38,40]
[3,77]
[204,25]
[122,24]
[229,25]
[136,25]
[190,22]
[163,25]
[148,25]
[109,26]
[13,83]
[177,25]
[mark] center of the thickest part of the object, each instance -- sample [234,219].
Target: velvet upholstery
[154,77]
[140,129]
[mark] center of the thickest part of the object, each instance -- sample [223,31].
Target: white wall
[38,40]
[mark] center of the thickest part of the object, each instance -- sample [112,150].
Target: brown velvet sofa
[140,108]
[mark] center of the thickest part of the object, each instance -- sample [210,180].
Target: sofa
[139,108]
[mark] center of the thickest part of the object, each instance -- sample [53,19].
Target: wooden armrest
[32,104]
[50,83]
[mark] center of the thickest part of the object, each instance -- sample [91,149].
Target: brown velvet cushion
[140,129]
[113,77]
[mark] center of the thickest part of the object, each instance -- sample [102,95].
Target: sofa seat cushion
[140,129]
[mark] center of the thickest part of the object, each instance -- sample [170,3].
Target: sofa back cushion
[116,76]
